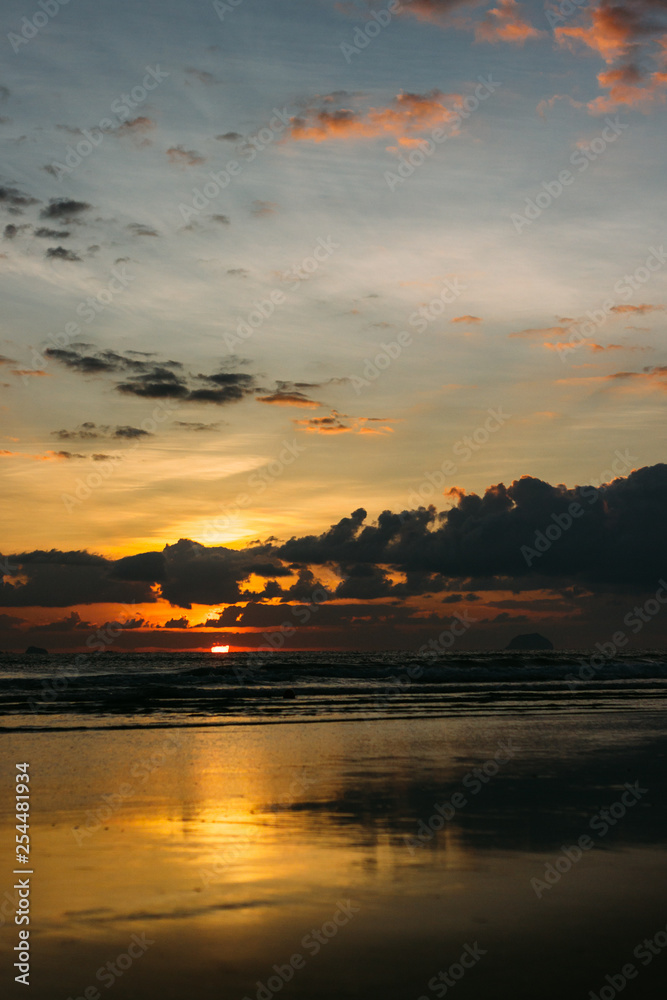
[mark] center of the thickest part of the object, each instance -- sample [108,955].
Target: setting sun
[219,649]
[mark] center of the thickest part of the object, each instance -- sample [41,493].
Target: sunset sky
[265,265]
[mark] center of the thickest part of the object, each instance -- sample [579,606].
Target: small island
[529,640]
[37,650]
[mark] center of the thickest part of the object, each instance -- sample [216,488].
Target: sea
[168,689]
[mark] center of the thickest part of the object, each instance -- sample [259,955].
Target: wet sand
[344,859]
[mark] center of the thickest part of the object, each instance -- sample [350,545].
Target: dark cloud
[150,380]
[11,231]
[229,137]
[616,545]
[61,253]
[147,567]
[618,540]
[51,234]
[89,431]
[197,426]
[14,201]
[139,229]
[64,208]
[56,579]
[222,219]
[177,623]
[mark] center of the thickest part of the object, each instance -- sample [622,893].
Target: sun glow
[219,649]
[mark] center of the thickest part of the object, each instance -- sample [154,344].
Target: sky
[332,307]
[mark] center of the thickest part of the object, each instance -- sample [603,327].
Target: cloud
[631,38]
[407,117]
[639,310]
[196,426]
[51,234]
[177,623]
[11,231]
[89,431]
[139,229]
[281,398]
[223,220]
[340,423]
[182,157]
[467,319]
[261,209]
[229,137]
[14,201]
[137,129]
[64,208]
[504,23]
[53,579]
[618,541]
[62,253]
[148,379]
[208,79]
[221,388]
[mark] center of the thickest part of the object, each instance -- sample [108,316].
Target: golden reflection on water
[227,847]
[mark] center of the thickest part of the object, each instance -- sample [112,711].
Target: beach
[400,858]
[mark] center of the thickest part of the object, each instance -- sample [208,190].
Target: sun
[219,649]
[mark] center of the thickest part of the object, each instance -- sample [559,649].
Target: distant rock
[38,650]
[529,640]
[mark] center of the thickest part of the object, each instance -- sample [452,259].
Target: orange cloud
[505,24]
[467,319]
[50,456]
[336,423]
[625,37]
[652,378]
[641,310]
[409,114]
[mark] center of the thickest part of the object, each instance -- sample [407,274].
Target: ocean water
[179,689]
